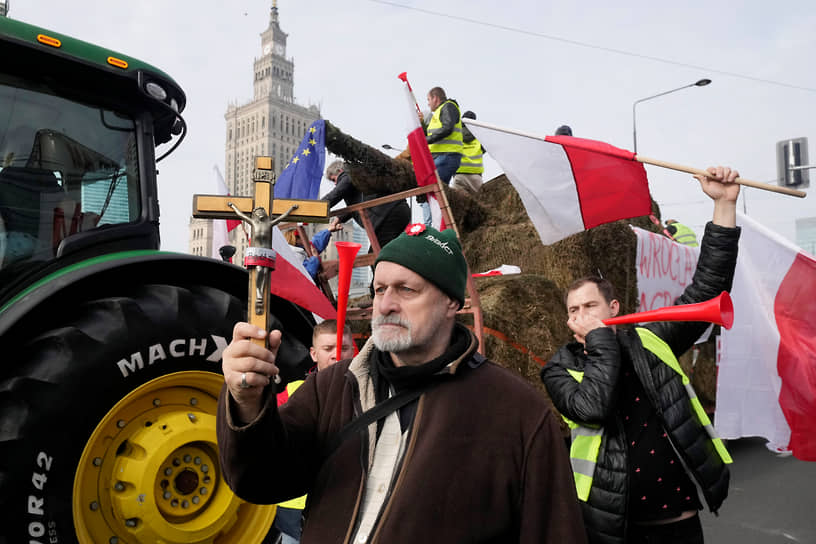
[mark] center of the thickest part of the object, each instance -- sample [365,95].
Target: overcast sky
[531,65]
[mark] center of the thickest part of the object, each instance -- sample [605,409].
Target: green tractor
[111,349]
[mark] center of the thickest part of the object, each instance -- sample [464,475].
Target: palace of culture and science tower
[271,124]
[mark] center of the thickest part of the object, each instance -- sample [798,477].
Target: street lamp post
[700,83]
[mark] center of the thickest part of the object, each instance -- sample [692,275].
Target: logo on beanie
[415,230]
[440,243]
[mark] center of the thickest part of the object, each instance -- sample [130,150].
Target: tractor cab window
[65,168]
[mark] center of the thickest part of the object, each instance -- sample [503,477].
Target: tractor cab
[78,131]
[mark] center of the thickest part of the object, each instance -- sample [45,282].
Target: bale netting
[372,171]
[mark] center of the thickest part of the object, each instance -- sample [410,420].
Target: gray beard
[391,342]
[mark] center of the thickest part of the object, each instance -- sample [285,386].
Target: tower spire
[273,16]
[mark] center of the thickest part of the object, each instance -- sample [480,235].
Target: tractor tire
[107,425]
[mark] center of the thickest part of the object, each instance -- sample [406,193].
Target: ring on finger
[244,384]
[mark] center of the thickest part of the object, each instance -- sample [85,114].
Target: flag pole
[653,162]
[444,205]
[740,181]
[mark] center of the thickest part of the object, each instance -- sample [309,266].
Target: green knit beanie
[436,256]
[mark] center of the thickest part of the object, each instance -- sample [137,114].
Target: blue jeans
[446,166]
[287,521]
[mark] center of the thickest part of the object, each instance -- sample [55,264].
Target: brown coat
[485,461]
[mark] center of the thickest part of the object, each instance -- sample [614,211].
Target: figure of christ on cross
[259,210]
[261,224]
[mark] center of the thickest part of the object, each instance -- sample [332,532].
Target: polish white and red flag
[567,184]
[424,167]
[290,280]
[766,383]
[221,227]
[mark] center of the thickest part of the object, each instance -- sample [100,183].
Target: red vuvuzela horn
[718,310]
[346,251]
[404,77]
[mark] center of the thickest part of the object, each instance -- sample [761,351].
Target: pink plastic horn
[346,251]
[719,310]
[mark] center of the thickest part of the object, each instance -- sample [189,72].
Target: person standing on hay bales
[445,140]
[418,438]
[681,233]
[388,219]
[640,441]
[469,175]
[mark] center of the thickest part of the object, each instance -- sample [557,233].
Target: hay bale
[507,236]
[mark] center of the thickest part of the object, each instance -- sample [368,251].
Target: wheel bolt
[188,458]
[156,402]
[176,462]
[113,540]
[197,460]
[121,423]
[168,471]
[191,416]
[205,469]
[119,486]
[193,401]
[94,506]
[203,490]
[131,522]
[167,494]
[196,500]
[185,504]
[97,461]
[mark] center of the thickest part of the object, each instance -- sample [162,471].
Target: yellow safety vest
[661,349]
[586,441]
[471,158]
[453,142]
[300,502]
[584,449]
[684,235]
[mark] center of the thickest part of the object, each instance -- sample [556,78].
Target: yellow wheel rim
[150,471]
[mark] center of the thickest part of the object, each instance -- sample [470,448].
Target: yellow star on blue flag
[301,178]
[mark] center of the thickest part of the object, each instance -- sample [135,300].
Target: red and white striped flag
[424,167]
[290,281]
[767,375]
[567,184]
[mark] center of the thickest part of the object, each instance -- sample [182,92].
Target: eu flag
[301,176]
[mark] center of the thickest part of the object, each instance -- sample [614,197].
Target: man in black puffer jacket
[639,442]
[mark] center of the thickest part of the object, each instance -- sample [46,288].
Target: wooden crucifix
[260,257]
